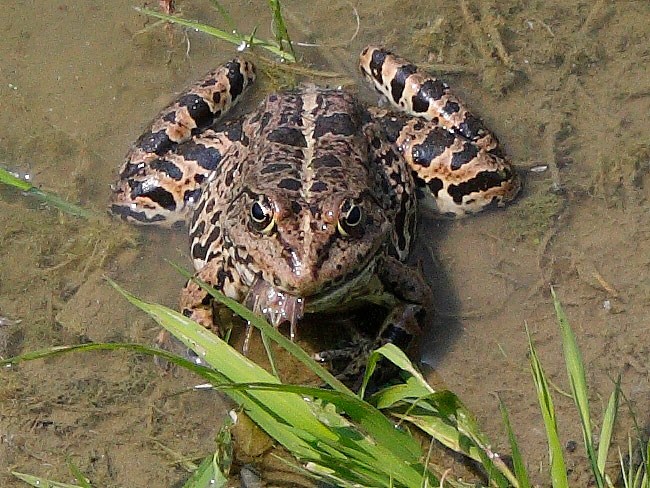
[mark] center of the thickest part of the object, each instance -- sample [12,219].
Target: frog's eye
[350,218]
[262,216]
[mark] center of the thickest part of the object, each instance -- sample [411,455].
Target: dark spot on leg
[435,185]
[472,127]
[206,157]
[481,182]
[436,142]
[397,83]
[158,195]
[154,142]
[167,167]
[451,107]
[377,62]
[468,153]
[429,91]
[198,109]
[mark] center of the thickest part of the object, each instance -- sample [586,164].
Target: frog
[308,204]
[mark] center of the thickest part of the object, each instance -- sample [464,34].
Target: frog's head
[311,239]
[306,247]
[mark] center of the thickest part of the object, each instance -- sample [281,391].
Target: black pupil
[354,216]
[258,212]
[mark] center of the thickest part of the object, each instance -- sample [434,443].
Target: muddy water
[566,86]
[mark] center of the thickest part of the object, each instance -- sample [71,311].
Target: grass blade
[42,482]
[609,419]
[271,332]
[269,354]
[517,459]
[576,374]
[207,474]
[558,467]
[81,478]
[395,355]
[50,198]
[213,31]
[279,27]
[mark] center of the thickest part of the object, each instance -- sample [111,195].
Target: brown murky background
[565,85]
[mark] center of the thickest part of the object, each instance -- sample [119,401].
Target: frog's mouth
[278,306]
[274,305]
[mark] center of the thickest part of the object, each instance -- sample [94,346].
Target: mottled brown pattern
[308,204]
[197,107]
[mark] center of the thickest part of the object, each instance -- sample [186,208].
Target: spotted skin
[448,148]
[308,204]
[161,178]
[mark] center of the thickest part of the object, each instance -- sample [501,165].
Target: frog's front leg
[405,319]
[196,303]
[412,298]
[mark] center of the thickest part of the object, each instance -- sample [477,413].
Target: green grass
[343,438]
[50,198]
[281,46]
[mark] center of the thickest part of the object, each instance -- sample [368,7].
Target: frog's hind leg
[448,148]
[161,177]
[461,177]
[400,327]
[419,94]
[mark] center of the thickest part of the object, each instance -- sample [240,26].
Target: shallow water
[571,92]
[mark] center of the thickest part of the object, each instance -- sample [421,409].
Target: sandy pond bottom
[571,91]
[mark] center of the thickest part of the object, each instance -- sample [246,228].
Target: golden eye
[262,216]
[350,218]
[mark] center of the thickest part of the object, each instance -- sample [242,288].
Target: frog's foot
[349,362]
[400,327]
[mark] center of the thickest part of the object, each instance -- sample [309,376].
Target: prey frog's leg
[163,170]
[448,148]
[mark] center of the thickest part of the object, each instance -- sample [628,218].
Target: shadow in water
[442,329]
